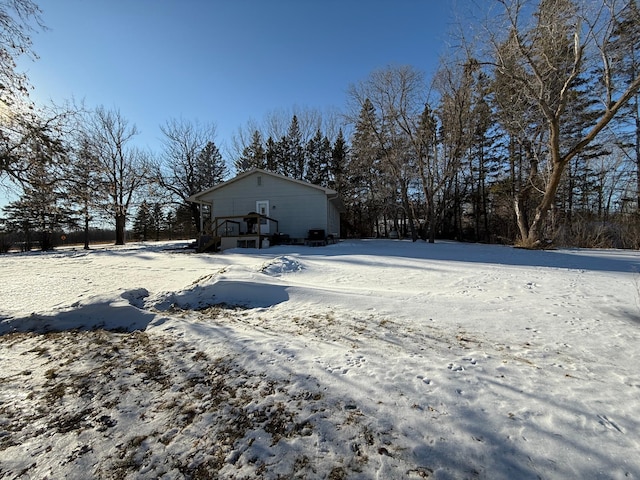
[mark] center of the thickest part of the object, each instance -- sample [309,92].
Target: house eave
[197,198]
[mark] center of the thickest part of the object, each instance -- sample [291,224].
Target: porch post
[259,240]
[201,218]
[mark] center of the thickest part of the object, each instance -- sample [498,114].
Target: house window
[259,180]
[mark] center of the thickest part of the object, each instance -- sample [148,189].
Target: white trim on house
[196,197]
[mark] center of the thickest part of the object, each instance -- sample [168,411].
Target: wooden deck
[237,231]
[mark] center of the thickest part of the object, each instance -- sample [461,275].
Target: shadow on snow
[603,260]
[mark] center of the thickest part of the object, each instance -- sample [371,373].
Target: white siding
[297,207]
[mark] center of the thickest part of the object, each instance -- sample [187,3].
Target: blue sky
[226,61]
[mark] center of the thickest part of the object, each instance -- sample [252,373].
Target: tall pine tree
[338,164]
[625,54]
[318,153]
[253,155]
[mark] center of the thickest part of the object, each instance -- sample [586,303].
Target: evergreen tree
[83,184]
[253,155]
[484,165]
[291,154]
[179,223]
[158,220]
[369,181]
[625,54]
[20,218]
[210,168]
[338,165]
[577,190]
[296,149]
[397,94]
[40,209]
[271,155]
[282,156]
[170,221]
[143,222]
[318,159]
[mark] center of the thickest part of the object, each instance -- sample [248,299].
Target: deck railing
[249,224]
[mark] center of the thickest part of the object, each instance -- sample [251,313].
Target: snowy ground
[365,359]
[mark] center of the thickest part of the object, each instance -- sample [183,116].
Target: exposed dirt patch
[125,405]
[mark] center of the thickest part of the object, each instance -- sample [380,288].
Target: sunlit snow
[364,359]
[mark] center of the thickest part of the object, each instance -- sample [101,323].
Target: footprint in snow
[351,362]
[289,355]
[454,367]
[610,424]
[356,361]
[339,369]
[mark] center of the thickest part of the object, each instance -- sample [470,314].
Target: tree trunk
[195,214]
[637,150]
[483,195]
[120,223]
[45,242]
[86,232]
[432,221]
[521,197]
[409,212]
[428,191]
[537,226]
[27,241]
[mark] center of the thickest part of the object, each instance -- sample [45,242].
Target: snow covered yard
[365,359]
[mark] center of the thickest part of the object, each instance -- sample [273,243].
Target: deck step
[213,244]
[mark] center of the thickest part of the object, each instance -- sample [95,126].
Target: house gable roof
[195,198]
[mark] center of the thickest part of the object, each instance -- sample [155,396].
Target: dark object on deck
[251,221]
[316,238]
[316,235]
[280,239]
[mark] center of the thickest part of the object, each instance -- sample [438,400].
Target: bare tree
[397,95]
[242,139]
[18,18]
[545,62]
[123,167]
[20,130]
[190,161]
[21,125]
[444,153]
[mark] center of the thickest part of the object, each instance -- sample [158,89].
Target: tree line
[530,135]
[99,175]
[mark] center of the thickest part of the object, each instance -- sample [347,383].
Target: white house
[258,205]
